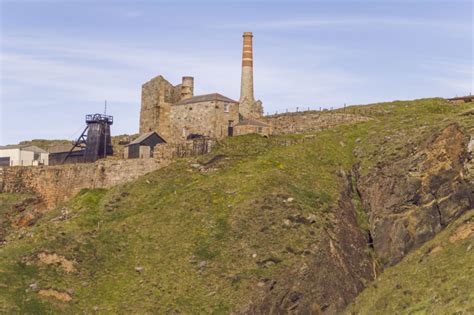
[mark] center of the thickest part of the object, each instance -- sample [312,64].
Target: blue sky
[61,59]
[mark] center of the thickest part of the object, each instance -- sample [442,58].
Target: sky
[60,60]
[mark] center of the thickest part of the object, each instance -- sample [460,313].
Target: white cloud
[351,21]
[96,70]
[88,69]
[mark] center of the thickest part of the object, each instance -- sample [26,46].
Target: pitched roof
[11,146]
[61,148]
[252,122]
[24,147]
[206,98]
[143,137]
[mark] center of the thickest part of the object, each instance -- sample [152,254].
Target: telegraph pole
[105,131]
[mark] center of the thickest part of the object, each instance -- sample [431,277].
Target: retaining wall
[303,122]
[55,184]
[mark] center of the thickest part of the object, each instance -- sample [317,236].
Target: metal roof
[61,148]
[206,98]
[23,147]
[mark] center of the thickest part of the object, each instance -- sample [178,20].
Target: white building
[22,155]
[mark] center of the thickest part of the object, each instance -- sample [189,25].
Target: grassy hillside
[202,234]
[435,279]
[44,143]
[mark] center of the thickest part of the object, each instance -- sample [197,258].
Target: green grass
[426,281]
[12,206]
[202,238]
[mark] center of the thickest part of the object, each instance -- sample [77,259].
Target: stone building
[252,126]
[177,115]
[211,115]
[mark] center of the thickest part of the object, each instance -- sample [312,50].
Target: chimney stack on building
[246,87]
[187,88]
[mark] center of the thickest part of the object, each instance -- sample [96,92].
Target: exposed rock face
[338,268]
[409,201]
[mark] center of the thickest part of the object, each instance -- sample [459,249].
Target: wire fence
[353,109]
[298,109]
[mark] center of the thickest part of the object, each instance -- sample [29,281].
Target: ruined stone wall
[204,118]
[55,184]
[248,129]
[308,121]
[157,97]
[169,151]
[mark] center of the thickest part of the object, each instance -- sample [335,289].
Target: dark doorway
[5,161]
[230,129]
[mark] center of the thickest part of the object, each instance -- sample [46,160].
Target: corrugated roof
[206,98]
[61,148]
[24,147]
[12,146]
[252,122]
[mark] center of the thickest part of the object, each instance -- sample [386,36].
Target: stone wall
[308,121]
[205,118]
[157,96]
[56,184]
[170,151]
[249,129]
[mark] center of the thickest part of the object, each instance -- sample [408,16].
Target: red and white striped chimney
[246,87]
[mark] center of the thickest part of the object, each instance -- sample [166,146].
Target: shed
[22,155]
[58,153]
[143,146]
[252,126]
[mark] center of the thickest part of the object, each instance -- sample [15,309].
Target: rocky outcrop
[407,203]
[412,199]
[338,267]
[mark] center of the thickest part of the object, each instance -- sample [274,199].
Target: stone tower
[187,88]
[248,108]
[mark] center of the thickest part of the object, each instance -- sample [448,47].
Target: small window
[226,107]
[259,129]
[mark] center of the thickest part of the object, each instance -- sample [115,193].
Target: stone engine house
[177,115]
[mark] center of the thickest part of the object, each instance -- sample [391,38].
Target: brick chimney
[187,88]
[246,87]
